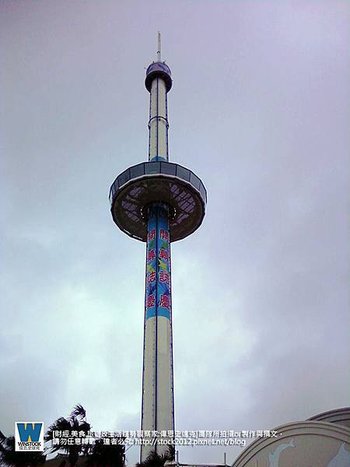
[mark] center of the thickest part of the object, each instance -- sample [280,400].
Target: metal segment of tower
[158,202]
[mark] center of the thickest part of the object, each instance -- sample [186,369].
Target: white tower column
[158,202]
[158,121]
[157,380]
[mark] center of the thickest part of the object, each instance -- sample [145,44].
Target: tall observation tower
[158,202]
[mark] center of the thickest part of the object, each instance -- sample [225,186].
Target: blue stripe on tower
[158,302]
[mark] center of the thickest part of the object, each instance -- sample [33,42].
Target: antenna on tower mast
[159,48]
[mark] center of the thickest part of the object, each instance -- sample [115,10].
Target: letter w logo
[29,431]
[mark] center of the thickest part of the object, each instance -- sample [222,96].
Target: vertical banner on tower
[151,267]
[158,301]
[163,279]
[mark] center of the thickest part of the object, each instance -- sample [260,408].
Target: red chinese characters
[150,301]
[164,301]
[164,234]
[164,277]
[151,255]
[163,254]
[151,277]
[151,235]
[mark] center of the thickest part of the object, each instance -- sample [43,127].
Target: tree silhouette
[158,460]
[75,422]
[11,458]
[104,455]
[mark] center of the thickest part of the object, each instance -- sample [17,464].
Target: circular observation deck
[158,182]
[158,70]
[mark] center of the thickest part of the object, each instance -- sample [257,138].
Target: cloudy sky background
[260,111]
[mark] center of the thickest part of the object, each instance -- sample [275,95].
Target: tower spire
[159,57]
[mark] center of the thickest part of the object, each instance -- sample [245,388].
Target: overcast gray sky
[259,109]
